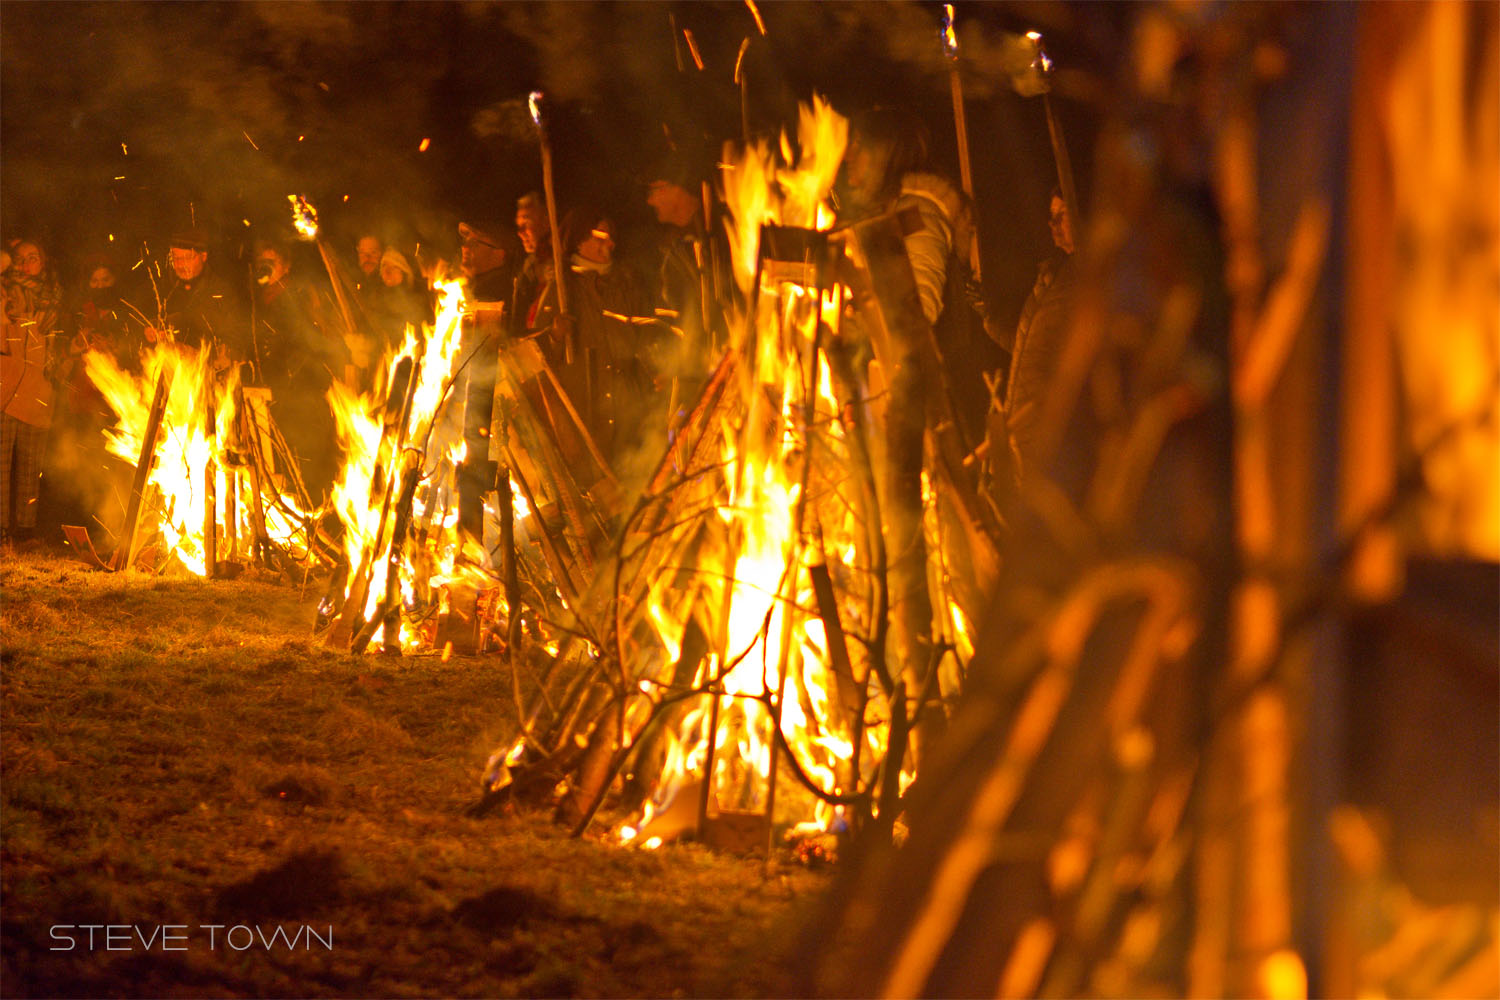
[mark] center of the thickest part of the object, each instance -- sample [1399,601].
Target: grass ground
[182,753]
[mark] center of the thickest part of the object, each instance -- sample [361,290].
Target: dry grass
[181,752]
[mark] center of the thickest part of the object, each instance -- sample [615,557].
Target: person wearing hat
[196,308]
[400,303]
[487,259]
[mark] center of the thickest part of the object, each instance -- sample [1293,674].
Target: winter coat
[32,307]
[929,247]
[1037,349]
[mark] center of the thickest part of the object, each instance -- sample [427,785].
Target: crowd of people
[627,343]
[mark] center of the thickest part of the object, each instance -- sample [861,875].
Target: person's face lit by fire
[531,226]
[368,251]
[1061,224]
[392,276]
[29,259]
[271,267]
[673,204]
[101,279]
[476,255]
[599,246]
[186,262]
[864,170]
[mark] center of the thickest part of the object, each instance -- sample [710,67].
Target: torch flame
[534,102]
[950,37]
[304,216]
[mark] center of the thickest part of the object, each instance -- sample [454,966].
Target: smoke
[130,118]
[135,119]
[507,121]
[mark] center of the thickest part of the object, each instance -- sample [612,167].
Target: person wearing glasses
[194,308]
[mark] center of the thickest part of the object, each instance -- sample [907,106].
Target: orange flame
[195,428]
[304,216]
[772,645]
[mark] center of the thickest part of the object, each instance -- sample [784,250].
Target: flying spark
[755,13]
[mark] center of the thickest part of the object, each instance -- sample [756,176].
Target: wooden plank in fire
[126,553]
[210,490]
[659,531]
[384,482]
[535,443]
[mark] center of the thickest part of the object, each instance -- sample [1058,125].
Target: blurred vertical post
[961,127]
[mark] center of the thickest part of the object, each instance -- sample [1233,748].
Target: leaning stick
[336,279]
[1064,163]
[210,491]
[579,425]
[125,554]
[549,194]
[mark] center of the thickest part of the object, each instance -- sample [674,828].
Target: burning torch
[1034,79]
[305,219]
[961,126]
[535,103]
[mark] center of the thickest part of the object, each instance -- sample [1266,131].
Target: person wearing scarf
[32,307]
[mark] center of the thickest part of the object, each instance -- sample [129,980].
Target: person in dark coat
[617,337]
[1036,345]
[300,353]
[196,309]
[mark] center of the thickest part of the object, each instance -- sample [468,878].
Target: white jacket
[930,247]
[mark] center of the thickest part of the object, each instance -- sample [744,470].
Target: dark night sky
[210,100]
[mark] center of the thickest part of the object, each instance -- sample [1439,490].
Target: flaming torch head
[1028,65]
[1041,63]
[304,217]
[534,103]
[950,37]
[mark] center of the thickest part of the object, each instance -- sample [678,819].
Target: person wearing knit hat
[399,302]
[394,270]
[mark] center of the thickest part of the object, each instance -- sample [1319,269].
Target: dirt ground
[186,772]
